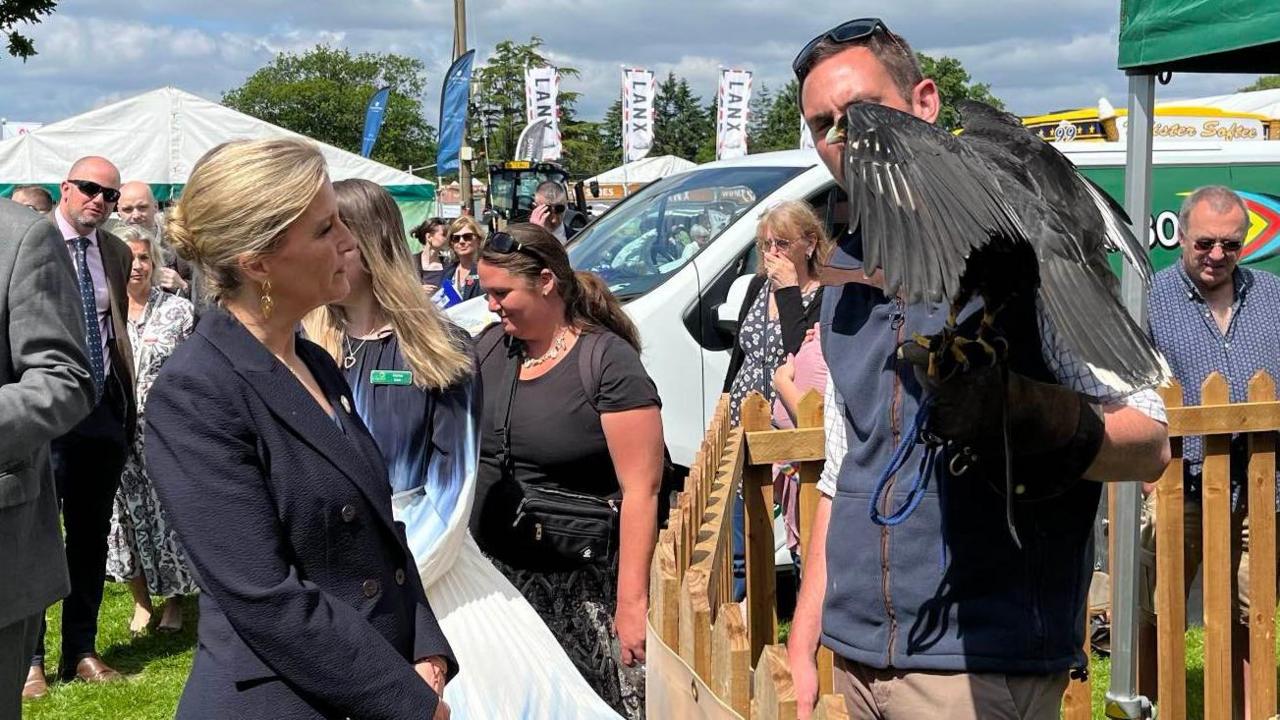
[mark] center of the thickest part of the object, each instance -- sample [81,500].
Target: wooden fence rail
[731,649]
[1217,420]
[734,656]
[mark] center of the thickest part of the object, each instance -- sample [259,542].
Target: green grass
[155,666]
[1100,674]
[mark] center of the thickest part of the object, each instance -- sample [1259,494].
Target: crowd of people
[255,397]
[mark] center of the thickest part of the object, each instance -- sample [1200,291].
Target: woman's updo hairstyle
[239,200]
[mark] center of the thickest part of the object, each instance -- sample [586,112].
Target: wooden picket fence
[737,657]
[1217,419]
[692,611]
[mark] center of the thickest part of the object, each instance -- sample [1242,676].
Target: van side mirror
[727,312]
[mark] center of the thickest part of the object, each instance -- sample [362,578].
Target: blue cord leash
[896,463]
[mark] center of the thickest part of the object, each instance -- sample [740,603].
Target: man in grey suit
[45,389]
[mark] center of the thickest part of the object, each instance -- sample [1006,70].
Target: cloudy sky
[1037,56]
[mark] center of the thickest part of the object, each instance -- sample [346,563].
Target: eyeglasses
[459,237]
[1228,246]
[780,243]
[843,33]
[557,209]
[91,190]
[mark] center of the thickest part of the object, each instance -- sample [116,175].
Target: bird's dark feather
[931,204]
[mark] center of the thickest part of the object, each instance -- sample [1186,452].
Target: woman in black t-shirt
[584,419]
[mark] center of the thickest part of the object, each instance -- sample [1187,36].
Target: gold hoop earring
[265,303]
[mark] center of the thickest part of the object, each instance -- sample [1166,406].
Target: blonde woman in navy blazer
[311,606]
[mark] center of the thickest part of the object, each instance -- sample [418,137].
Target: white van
[674,290]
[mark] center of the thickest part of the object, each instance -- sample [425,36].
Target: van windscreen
[656,231]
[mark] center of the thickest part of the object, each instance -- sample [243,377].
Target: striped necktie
[89,305]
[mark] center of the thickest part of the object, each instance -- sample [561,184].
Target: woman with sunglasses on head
[414,384]
[465,240]
[571,457]
[310,604]
[782,303]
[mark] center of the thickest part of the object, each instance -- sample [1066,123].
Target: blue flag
[373,115]
[453,112]
[446,296]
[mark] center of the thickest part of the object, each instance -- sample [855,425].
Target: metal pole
[1122,699]
[460,47]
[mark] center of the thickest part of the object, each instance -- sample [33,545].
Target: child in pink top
[802,372]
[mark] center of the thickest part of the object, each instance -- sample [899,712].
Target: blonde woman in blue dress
[414,383]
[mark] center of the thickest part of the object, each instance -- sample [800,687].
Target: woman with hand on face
[465,240]
[571,457]
[141,547]
[783,302]
[310,605]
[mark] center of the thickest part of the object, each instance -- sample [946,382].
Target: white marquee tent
[156,137]
[645,170]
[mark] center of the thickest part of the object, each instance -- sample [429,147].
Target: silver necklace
[349,360]
[557,347]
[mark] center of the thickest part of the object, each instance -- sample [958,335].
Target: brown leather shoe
[91,669]
[36,687]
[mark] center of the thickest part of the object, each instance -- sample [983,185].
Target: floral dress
[141,541]
[763,352]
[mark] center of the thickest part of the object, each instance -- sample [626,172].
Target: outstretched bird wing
[925,200]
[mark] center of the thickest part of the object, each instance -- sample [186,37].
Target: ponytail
[591,304]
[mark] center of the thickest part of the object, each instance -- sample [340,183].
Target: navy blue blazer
[311,603]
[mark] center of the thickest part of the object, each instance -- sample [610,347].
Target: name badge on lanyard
[391,377]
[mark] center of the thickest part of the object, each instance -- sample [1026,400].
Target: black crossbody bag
[564,530]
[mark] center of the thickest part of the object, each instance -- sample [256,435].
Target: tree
[497,98]
[322,93]
[954,84]
[13,12]
[778,128]
[1265,82]
[681,123]
[611,134]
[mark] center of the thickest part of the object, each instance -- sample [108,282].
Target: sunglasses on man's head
[1205,245]
[847,32]
[92,189]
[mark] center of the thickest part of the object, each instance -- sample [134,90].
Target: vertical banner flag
[806,137]
[541,93]
[638,91]
[374,113]
[731,113]
[453,112]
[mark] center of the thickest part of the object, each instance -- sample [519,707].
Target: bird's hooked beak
[839,131]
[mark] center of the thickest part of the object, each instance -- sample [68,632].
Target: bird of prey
[995,212]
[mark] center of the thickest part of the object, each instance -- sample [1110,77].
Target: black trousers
[87,463]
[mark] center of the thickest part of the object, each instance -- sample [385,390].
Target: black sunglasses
[503,244]
[557,209]
[91,190]
[846,32]
[1205,245]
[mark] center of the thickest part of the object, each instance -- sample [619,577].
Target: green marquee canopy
[1228,36]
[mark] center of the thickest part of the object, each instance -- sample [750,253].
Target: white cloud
[92,52]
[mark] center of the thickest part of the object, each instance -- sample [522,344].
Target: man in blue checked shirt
[1208,315]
